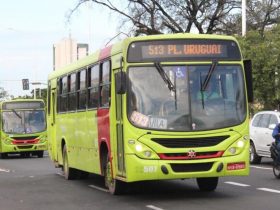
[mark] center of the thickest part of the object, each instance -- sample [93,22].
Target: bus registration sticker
[140,119]
[158,123]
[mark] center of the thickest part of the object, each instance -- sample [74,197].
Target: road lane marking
[269,190]
[99,188]
[238,184]
[153,207]
[4,170]
[259,167]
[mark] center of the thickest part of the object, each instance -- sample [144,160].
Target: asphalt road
[34,183]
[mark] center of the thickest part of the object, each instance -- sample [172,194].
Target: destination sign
[187,50]
[23,105]
[173,50]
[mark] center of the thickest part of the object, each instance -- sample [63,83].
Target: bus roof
[120,46]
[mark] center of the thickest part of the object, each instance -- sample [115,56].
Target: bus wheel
[69,173]
[207,184]
[40,154]
[3,155]
[254,158]
[83,174]
[114,186]
[276,170]
[25,154]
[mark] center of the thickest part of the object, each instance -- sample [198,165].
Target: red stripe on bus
[105,52]
[186,157]
[26,141]
[103,127]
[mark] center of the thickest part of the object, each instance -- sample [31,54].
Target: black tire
[69,173]
[115,187]
[207,184]
[83,174]
[40,154]
[25,154]
[254,158]
[276,170]
[3,155]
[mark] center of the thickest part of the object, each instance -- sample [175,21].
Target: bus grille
[191,167]
[25,137]
[190,142]
[25,147]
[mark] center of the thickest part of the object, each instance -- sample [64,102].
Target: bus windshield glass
[189,107]
[23,121]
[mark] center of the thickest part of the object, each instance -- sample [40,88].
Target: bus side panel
[88,155]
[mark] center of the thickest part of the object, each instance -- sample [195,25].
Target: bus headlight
[236,148]
[143,151]
[42,138]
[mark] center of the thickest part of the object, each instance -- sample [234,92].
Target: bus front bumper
[24,148]
[138,169]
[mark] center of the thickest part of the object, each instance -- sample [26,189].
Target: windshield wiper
[16,114]
[165,77]
[209,75]
[206,81]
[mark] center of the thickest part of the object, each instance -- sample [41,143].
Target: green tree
[4,94]
[147,17]
[263,50]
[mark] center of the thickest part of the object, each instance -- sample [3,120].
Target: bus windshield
[23,121]
[153,105]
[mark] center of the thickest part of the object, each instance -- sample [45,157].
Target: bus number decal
[150,169]
[158,123]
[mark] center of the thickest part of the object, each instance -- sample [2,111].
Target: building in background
[67,51]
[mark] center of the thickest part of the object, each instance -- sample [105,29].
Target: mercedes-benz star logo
[191,154]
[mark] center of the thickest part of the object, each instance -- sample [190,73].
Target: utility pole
[244,6]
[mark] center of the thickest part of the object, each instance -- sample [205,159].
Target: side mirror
[120,80]
[249,79]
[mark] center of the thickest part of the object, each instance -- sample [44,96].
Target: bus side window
[81,89]
[93,83]
[63,94]
[72,99]
[105,84]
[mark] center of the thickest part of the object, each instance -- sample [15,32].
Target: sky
[30,28]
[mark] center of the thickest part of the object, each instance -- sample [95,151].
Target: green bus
[138,110]
[23,127]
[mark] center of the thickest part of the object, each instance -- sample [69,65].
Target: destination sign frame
[183,50]
[23,105]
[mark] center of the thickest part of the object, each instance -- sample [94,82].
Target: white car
[261,128]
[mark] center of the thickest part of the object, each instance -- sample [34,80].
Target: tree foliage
[263,50]
[262,14]
[147,17]
[3,94]
[173,16]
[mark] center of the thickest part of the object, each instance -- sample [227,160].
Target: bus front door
[52,133]
[119,129]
